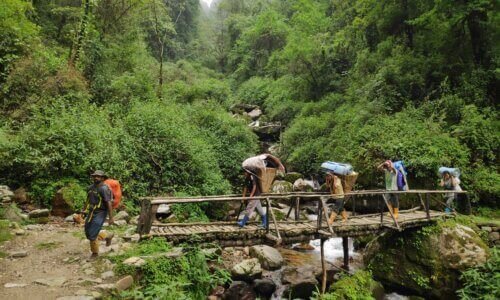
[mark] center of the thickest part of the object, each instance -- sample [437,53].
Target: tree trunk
[77,45]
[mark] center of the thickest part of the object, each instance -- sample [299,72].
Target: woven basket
[266,177]
[348,182]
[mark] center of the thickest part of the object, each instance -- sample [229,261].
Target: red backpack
[116,190]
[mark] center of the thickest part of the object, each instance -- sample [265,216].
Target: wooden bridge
[288,231]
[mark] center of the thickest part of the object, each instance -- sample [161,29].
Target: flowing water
[333,255]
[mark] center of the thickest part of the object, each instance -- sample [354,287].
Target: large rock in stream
[301,282]
[426,261]
[247,270]
[269,258]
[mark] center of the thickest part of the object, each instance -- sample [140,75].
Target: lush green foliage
[358,81]
[351,287]
[184,277]
[482,282]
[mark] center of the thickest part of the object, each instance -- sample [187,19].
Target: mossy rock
[281,187]
[426,261]
[292,176]
[358,286]
[12,213]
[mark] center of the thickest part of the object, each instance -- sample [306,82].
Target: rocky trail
[52,261]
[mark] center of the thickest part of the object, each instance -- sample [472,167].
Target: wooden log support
[381,207]
[269,210]
[145,218]
[323,267]
[422,202]
[427,205]
[292,205]
[345,246]
[275,223]
[390,212]
[297,208]
[323,205]
[320,214]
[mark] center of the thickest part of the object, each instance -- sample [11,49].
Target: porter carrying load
[337,168]
[263,166]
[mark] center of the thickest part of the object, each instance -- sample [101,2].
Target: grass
[4,231]
[47,245]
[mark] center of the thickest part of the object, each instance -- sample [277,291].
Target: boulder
[163,209]
[264,287]
[269,258]
[61,206]
[242,107]
[281,187]
[247,270]
[301,185]
[426,261]
[5,191]
[255,113]
[493,237]
[12,213]
[134,261]
[38,213]
[266,131]
[301,282]
[122,215]
[124,283]
[120,223]
[292,176]
[239,290]
[21,196]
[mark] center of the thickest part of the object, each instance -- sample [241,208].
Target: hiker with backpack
[259,172]
[98,206]
[391,184]
[450,181]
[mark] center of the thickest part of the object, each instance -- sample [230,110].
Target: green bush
[482,282]
[351,287]
[44,190]
[184,277]
[253,91]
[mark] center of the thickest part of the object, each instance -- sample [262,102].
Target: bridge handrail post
[297,209]
[145,218]
[319,218]
[427,206]
[268,208]
[381,207]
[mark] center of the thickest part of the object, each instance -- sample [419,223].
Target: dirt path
[56,264]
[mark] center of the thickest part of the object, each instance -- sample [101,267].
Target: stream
[333,254]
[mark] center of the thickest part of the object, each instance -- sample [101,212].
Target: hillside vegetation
[142,89]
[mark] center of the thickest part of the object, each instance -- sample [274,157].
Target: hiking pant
[450,198]
[337,206]
[392,199]
[252,205]
[93,223]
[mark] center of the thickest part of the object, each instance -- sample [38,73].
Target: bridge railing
[149,205]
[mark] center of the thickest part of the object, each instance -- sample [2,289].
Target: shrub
[184,277]
[351,287]
[482,282]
